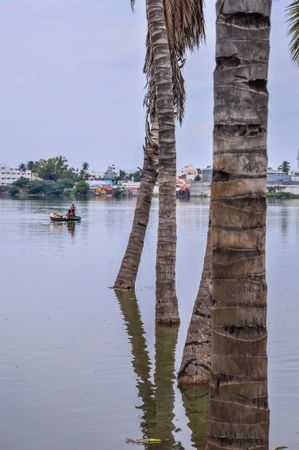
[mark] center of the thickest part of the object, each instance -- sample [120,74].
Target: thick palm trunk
[239,414]
[126,277]
[167,305]
[196,361]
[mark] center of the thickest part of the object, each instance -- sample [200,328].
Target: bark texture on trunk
[127,274]
[167,305]
[196,361]
[239,414]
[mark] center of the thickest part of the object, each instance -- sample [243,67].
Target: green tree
[81,188]
[37,187]
[136,175]
[83,174]
[22,167]
[54,169]
[31,165]
[21,182]
[13,190]
[285,167]
[293,19]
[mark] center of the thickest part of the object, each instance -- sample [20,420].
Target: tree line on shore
[53,177]
[226,344]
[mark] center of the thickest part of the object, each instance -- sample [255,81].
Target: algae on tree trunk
[239,413]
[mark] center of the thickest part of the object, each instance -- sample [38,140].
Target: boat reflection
[158,396]
[60,226]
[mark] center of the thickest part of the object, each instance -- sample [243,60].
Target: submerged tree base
[167,312]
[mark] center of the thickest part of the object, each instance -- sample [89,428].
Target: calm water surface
[83,369]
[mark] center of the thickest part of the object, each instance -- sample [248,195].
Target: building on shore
[295,175]
[188,172]
[277,177]
[95,175]
[9,175]
[112,172]
[207,175]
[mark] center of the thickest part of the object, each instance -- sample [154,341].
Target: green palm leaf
[293,19]
[186,29]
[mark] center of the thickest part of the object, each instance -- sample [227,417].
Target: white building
[9,175]
[294,175]
[187,172]
[112,172]
[95,175]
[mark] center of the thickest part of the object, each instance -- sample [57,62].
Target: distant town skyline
[65,91]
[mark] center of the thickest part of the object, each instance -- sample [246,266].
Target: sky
[71,84]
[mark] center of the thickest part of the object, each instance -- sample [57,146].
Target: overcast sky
[71,83]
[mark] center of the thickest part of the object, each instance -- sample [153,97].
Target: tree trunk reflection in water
[166,340]
[140,360]
[196,401]
[158,398]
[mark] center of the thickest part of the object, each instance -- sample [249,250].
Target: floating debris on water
[143,441]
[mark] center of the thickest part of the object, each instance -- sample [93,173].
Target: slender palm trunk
[167,305]
[140,360]
[239,414]
[126,277]
[196,361]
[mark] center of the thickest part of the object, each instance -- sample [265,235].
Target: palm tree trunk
[239,414]
[167,305]
[127,274]
[196,361]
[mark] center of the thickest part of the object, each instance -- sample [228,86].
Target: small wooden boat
[55,217]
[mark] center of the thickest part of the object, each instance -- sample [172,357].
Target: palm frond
[186,29]
[293,19]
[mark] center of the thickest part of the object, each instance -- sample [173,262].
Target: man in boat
[71,211]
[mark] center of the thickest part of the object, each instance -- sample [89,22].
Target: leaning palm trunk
[196,361]
[129,267]
[184,23]
[239,414]
[167,305]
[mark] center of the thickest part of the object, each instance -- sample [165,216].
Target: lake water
[83,369]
